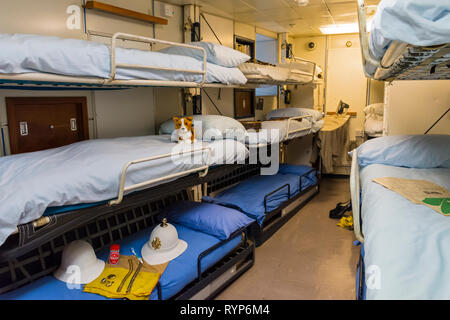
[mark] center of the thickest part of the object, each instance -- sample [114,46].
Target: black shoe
[340,209]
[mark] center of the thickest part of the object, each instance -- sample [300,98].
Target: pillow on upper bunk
[294,112]
[211,127]
[215,53]
[208,218]
[411,151]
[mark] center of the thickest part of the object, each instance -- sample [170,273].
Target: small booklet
[419,192]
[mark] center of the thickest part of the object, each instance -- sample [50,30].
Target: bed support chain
[123,189]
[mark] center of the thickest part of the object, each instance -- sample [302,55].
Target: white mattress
[22,53]
[89,171]
[417,22]
[274,131]
[284,72]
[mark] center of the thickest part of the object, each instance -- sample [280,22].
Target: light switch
[167,10]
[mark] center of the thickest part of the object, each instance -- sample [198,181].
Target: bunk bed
[274,198]
[43,61]
[409,40]
[296,71]
[210,262]
[403,253]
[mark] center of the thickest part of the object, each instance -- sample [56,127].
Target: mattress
[417,22]
[274,131]
[405,242]
[89,172]
[23,53]
[256,188]
[287,72]
[179,272]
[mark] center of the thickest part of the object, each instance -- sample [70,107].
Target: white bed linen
[274,131]
[407,243]
[89,171]
[417,22]
[23,53]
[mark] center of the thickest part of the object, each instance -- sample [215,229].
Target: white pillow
[294,112]
[211,127]
[215,53]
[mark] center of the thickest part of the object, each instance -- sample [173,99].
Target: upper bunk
[294,71]
[51,62]
[409,40]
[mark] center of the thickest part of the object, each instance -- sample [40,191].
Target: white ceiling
[283,15]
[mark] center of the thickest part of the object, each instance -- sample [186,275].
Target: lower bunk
[271,200]
[218,252]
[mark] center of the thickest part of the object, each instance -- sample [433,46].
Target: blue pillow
[215,53]
[411,151]
[208,218]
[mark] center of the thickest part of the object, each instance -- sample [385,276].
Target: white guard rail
[125,36]
[355,197]
[123,189]
[293,71]
[288,125]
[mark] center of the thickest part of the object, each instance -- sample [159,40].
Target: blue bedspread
[407,243]
[248,196]
[180,271]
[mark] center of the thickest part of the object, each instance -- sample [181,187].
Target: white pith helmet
[79,264]
[163,245]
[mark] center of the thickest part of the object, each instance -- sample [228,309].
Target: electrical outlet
[167,10]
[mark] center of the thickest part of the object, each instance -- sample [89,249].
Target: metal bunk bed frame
[35,251]
[276,218]
[54,81]
[404,61]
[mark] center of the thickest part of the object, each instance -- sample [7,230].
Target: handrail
[123,189]
[125,36]
[355,197]
[364,39]
[274,191]
[295,58]
[288,125]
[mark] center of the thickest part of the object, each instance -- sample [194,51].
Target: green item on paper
[444,203]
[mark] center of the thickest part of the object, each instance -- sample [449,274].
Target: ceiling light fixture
[343,28]
[301,3]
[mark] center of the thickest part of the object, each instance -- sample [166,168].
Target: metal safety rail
[53,80]
[403,61]
[293,71]
[123,189]
[355,191]
[288,125]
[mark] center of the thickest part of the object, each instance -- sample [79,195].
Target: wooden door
[37,123]
[244,103]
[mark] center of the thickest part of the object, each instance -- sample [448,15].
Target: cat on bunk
[184,130]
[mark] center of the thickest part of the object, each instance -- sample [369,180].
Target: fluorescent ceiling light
[343,28]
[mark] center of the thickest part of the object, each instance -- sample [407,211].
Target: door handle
[73,124]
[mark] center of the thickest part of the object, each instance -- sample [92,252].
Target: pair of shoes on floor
[341,208]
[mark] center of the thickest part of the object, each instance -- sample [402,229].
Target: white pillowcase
[211,127]
[215,53]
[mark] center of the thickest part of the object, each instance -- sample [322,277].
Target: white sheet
[405,244]
[274,131]
[89,171]
[281,73]
[22,53]
[417,22]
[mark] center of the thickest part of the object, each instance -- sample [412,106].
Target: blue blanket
[248,196]
[180,271]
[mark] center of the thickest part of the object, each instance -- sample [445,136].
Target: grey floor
[308,258]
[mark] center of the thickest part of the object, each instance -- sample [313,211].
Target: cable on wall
[220,112]
[215,35]
[436,122]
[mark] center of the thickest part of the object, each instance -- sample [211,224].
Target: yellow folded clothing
[346,223]
[128,279]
